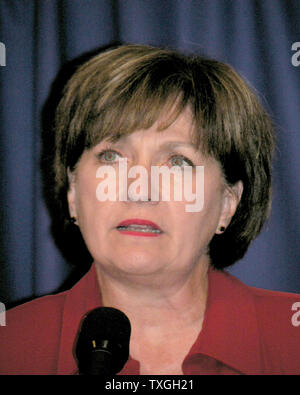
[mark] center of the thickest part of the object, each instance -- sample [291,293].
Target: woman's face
[157,237]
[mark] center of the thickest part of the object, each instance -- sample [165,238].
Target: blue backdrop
[260,38]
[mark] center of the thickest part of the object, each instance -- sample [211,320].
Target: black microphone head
[103,342]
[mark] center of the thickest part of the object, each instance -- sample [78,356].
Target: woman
[155,258]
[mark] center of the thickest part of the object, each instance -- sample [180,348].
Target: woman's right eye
[109,156]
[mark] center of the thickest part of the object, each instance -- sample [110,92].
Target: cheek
[86,201]
[191,227]
[94,219]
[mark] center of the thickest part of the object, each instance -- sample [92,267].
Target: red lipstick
[139,227]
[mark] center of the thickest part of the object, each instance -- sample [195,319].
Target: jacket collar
[79,300]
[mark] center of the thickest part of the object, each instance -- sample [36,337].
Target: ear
[231,199]
[71,196]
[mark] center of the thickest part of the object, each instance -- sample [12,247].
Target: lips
[139,227]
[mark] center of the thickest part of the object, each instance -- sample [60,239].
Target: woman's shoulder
[46,308]
[262,298]
[270,318]
[278,321]
[274,310]
[31,333]
[279,325]
[278,304]
[40,332]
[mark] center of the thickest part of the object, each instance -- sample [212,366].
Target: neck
[157,302]
[166,315]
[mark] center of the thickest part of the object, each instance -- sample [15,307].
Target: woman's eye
[179,160]
[109,156]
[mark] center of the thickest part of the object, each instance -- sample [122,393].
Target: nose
[139,184]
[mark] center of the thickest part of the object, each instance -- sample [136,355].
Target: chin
[138,263]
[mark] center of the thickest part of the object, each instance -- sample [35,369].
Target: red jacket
[245,331]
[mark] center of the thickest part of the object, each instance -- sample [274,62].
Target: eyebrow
[176,144]
[165,145]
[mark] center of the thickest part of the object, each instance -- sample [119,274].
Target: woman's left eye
[109,156]
[179,160]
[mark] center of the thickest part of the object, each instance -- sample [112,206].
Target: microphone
[103,342]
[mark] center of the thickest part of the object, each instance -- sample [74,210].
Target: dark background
[40,37]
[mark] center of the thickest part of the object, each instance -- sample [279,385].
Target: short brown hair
[127,88]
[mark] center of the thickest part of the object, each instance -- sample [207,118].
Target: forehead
[180,132]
